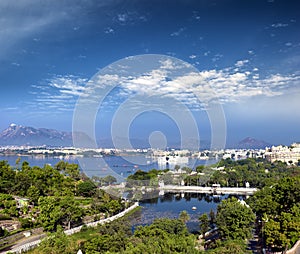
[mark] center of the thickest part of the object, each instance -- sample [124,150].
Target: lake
[170,205]
[118,166]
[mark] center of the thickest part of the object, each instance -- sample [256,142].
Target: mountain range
[251,143]
[23,135]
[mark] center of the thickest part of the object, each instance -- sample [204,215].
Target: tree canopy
[234,220]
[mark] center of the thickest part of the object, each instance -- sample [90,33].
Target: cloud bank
[195,89]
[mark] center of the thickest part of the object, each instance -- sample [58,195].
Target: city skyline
[247,52]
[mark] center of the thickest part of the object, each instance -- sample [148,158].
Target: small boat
[194,208]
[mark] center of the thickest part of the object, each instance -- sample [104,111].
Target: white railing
[31,245]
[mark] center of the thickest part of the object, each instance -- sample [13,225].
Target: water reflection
[171,204]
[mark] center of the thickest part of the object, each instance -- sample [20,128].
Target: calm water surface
[119,165]
[168,205]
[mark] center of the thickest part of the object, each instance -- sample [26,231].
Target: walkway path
[213,190]
[35,240]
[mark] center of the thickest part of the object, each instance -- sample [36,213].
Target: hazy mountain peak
[24,135]
[250,142]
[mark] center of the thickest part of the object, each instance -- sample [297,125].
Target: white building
[288,154]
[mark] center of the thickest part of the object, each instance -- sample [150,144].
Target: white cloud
[129,18]
[217,57]
[15,64]
[206,53]
[277,25]
[122,17]
[69,84]
[223,85]
[241,63]
[196,15]
[178,32]
[109,30]
[59,93]
[169,80]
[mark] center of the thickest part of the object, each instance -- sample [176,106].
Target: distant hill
[252,143]
[23,135]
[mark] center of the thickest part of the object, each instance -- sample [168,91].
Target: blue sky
[248,52]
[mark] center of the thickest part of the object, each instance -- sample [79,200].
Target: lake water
[118,166]
[169,205]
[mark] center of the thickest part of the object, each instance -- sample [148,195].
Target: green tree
[200,168]
[184,216]
[114,206]
[162,236]
[282,231]
[72,170]
[100,244]
[50,212]
[230,247]
[33,193]
[7,177]
[167,178]
[234,220]
[171,226]
[18,162]
[71,212]
[212,217]
[61,166]
[113,237]
[56,211]
[109,179]
[263,202]
[26,223]
[86,188]
[8,205]
[287,193]
[279,210]
[204,224]
[56,243]
[25,165]
[272,235]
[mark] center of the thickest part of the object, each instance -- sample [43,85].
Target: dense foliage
[257,172]
[144,178]
[162,236]
[61,197]
[228,173]
[229,247]
[235,220]
[276,205]
[53,196]
[278,212]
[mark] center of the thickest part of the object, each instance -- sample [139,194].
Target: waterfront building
[288,154]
